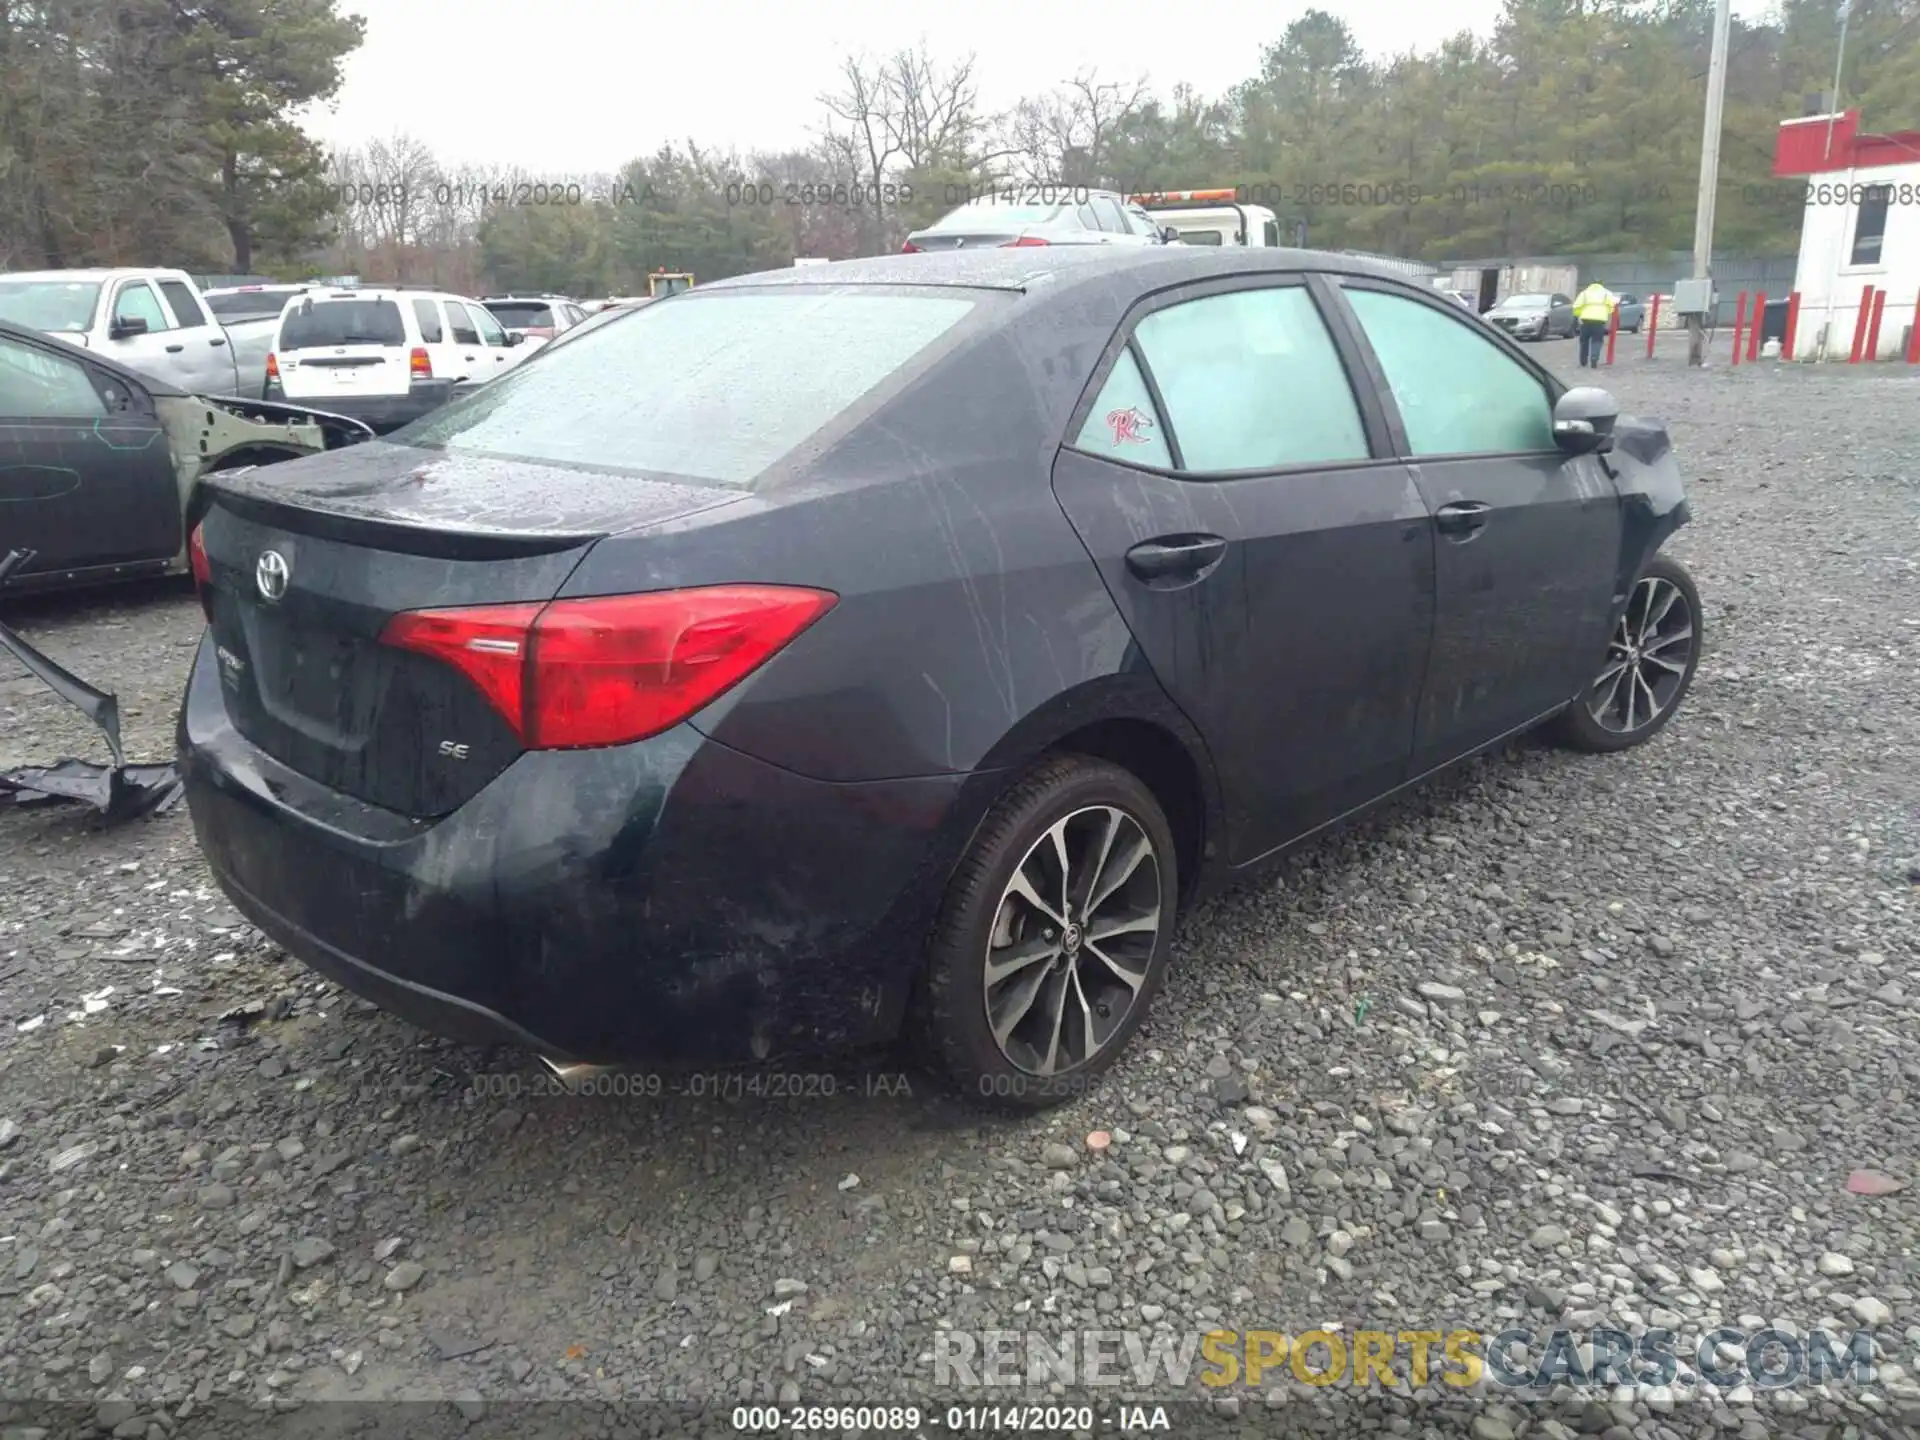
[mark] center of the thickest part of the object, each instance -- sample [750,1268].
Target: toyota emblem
[271,574]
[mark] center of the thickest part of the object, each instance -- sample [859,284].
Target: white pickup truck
[154,321]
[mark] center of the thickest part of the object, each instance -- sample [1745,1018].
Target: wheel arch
[1128,720]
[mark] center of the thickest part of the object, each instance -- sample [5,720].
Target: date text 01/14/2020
[989,1419]
[698,1085]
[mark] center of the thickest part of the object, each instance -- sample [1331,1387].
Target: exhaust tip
[569,1073]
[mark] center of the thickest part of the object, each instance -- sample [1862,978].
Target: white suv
[384,354]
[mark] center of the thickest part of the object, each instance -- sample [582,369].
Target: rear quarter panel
[970,617]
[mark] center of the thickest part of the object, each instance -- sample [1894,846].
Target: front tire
[1053,937]
[1648,669]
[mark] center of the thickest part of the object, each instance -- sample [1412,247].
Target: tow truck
[665,282]
[1212,217]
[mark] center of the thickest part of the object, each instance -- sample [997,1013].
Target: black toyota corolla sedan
[896,647]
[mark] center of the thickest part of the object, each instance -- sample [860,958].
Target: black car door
[1274,561]
[1528,537]
[85,476]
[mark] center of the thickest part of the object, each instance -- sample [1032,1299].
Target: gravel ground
[1562,1039]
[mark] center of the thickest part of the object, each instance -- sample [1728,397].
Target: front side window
[1252,381]
[1124,424]
[1870,228]
[1458,392]
[718,388]
[490,330]
[37,386]
[138,302]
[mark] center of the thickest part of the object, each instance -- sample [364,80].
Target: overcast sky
[564,86]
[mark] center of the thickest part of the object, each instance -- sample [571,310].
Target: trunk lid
[312,558]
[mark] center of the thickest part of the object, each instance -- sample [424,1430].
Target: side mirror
[514,337]
[1169,235]
[126,327]
[1583,421]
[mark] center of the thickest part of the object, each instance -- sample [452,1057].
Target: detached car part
[103,462]
[118,791]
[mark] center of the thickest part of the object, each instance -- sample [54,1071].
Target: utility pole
[1709,174]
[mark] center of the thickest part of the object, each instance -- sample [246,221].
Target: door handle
[1462,517]
[175,349]
[216,342]
[1177,555]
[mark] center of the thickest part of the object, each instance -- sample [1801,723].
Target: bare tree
[1063,137]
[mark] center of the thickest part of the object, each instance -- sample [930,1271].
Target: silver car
[1041,215]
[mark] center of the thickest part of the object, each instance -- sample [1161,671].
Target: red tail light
[611,670]
[910,249]
[419,364]
[273,366]
[202,569]
[1025,240]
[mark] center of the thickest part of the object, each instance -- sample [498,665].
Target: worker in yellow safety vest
[1593,307]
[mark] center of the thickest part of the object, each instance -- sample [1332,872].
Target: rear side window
[1109,215]
[707,389]
[1271,229]
[427,314]
[342,322]
[1252,381]
[180,300]
[1124,424]
[464,332]
[1458,392]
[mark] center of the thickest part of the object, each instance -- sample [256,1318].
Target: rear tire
[1648,669]
[1068,893]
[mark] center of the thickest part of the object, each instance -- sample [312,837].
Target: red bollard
[1793,324]
[1739,324]
[1759,322]
[1613,332]
[1860,324]
[1873,330]
[1913,337]
[1653,325]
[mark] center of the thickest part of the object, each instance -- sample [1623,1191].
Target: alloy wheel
[1072,940]
[1647,659]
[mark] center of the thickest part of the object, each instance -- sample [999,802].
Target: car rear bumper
[674,901]
[383,413]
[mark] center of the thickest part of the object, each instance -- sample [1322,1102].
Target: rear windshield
[62,305]
[251,304]
[521,314]
[342,322]
[709,388]
[992,215]
[1202,237]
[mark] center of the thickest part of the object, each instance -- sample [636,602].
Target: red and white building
[1860,228]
